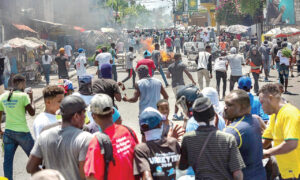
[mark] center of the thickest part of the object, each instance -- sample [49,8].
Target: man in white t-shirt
[80,63]
[284,64]
[102,58]
[68,50]
[86,93]
[53,95]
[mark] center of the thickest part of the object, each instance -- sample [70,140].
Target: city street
[129,111]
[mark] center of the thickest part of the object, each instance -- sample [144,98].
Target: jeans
[177,49]
[6,79]
[221,75]
[298,66]
[233,80]
[203,73]
[47,68]
[283,73]
[114,73]
[132,73]
[256,77]
[12,140]
[162,74]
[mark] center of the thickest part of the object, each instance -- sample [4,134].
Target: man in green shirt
[113,53]
[15,103]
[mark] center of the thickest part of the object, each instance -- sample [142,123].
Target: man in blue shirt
[245,84]
[246,130]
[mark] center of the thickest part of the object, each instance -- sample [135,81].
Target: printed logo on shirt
[164,159]
[10,104]
[159,172]
[123,145]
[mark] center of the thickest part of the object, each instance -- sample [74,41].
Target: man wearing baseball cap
[208,148]
[245,84]
[122,138]
[63,146]
[149,156]
[147,62]
[80,63]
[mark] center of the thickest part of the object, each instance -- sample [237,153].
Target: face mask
[154,134]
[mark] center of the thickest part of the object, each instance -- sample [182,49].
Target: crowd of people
[81,135]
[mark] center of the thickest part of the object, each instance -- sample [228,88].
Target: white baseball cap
[101,104]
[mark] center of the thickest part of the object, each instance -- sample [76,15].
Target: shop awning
[24,28]
[78,28]
[47,22]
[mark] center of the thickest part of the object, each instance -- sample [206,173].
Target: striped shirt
[220,158]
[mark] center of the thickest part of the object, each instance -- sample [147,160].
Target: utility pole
[174,13]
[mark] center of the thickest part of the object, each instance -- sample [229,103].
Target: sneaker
[266,80]
[287,92]
[292,75]
[177,118]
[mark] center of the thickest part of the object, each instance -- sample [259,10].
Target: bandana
[106,71]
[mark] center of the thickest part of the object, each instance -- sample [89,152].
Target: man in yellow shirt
[283,129]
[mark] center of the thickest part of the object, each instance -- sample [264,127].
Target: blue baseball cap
[245,83]
[147,54]
[86,79]
[150,119]
[116,115]
[80,50]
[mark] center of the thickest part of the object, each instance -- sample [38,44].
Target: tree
[229,12]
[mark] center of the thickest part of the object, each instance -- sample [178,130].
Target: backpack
[107,149]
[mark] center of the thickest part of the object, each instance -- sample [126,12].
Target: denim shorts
[284,70]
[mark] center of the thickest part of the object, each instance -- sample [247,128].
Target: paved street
[128,111]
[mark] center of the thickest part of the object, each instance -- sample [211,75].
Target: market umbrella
[237,29]
[21,43]
[273,32]
[288,31]
[36,40]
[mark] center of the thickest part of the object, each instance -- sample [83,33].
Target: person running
[284,63]
[63,64]
[123,141]
[255,61]
[247,132]
[283,130]
[102,58]
[148,62]
[106,84]
[156,57]
[245,84]
[235,62]
[147,89]
[46,62]
[129,66]
[53,95]
[114,56]
[204,66]
[80,63]
[175,70]
[156,147]
[63,146]
[220,67]
[212,154]
[15,103]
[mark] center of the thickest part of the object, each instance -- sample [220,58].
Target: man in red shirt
[123,142]
[148,62]
[168,42]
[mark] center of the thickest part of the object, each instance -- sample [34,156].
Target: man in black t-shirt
[156,158]
[63,64]
[106,84]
